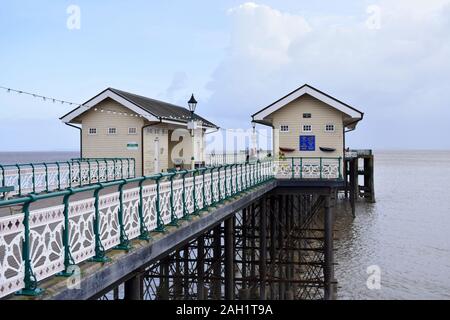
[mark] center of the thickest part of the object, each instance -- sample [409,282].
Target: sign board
[132,145]
[307,143]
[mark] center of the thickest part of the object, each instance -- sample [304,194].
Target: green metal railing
[152,205]
[29,178]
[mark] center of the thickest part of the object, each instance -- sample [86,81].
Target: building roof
[151,109]
[353,115]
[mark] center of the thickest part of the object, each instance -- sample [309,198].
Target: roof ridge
[148,98]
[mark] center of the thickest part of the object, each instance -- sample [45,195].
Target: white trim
[312,92]
[111,134]
[132,134]
[92,134]
[107,94]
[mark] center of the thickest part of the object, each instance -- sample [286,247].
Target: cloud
[398,73]
[179,82]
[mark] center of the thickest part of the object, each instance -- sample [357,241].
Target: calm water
[406,232]
[27,157]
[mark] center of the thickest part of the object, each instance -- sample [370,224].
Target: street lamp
[192,103]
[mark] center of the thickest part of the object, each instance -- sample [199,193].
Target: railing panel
[149,206]
[12,269]
[178,198]
[164,202]
[109,222]
[308,168]
[46,228]
[131,212]
[81,229]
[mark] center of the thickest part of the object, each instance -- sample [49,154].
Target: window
[329,128]
[132,130]
[307,115]
[284,128]
[307,128]
[112,130]
[92,131]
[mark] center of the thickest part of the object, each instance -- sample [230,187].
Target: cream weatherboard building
[309,123]
[119,124]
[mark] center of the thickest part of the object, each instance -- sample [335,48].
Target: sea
[395,248]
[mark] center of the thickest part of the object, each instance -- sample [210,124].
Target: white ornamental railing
[309,168]
[215,159]
[47,177]
[37,244]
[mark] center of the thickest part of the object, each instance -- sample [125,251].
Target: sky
[388,58]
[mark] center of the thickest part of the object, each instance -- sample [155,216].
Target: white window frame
[310,128]
[330,124]
[132,133]
[284,125]
[109,133]
[305,113]
[94,133]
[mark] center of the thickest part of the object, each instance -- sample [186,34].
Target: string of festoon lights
[60,101]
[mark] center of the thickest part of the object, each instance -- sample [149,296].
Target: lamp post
[192,103]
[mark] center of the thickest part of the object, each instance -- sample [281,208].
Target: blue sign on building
[307,143]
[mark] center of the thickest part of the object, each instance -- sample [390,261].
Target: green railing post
[69,183]
[218,183]
[195,212]
[33,179]
[213,199]
[173,216]
[3,176]
[183,194]
[320,168]
[68,259]
[241,189]
[19,179]
[226,181]
[46,177]
[159,222]
[301,168]
[100,255]
[89,171]
[144,234]
[79,173]
[203,189]
[129,168]
[293,168]
[30,281]
[59,175]
[124,241]
[98,170]
[114,171]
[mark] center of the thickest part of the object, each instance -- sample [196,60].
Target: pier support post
[262,249]
[217,261]
[201,268]
[353,183]
[229,258]
[133,288]
[328,252]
